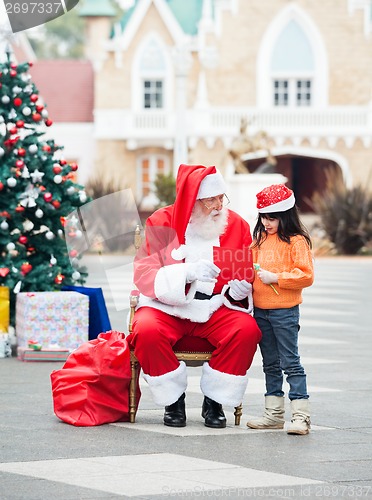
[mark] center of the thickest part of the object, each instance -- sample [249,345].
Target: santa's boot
[300,422]
[273,417]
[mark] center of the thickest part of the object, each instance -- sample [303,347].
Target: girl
[282,250]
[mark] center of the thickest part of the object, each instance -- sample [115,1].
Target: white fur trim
[224,388]
[211,185]
[170,283]
[228,304]
[166,389]
[281,206]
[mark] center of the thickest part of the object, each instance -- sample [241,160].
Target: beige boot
[300,422]
[273,417]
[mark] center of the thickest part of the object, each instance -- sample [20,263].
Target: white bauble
[49,235]
[28,225]
[16,90]
[78,234]
[26,111]
[5,99]
[53,260]
[39,213]
[70,190]
[58,179]
[75,275]
[33,149]
[4,225]
[2,152]
[82,196]
[44,113]
[10,246]
[11,182]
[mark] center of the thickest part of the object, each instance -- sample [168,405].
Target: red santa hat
[275,198]
[193,182]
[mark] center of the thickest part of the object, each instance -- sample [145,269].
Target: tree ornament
[58,179]
[78,233]
[16,90]
[2,152]
[39,213]
[1,186]
[83,196]
[10,246]
[28,225]
[76,275]
[17,101]
[20,123]
[56,204]
[19,209]
[13,73]
[73,253]
[21,152]
[44,113]
[48,123]
[33,149]
[12,182]
[13,130]
[19,163]
[26,111]
[74,167]
[4,225]
[59,278]
[48,197]
[23,239]
[5,99]
[49,235]
[53,260]
[4,271]
[34,97]
[36,117]
[37,176]
[57,169]
[70,190]
[26,267]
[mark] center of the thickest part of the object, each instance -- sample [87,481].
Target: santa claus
[187,289]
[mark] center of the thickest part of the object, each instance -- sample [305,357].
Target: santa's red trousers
[234,334]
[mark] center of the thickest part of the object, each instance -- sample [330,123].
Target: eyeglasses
[216,201]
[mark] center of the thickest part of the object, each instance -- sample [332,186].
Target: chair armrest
[133,302]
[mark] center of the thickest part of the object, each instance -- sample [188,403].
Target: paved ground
[43,458]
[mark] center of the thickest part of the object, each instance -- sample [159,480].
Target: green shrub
[345,213]
[165,189]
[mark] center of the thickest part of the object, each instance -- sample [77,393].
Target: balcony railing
[220,122]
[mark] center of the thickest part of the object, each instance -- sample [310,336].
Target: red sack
[92,387]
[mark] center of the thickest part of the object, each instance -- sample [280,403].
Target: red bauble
[62,162]
[19,163]
[47,148]
[1,186]
[36,117]
[34,97]
[23,239]
[13,65]
[13,73]
[48,197]
[39,108]
[20,123]
[56,203]
[21,152]
[59,278]
[13,130]
[26,268]
[30,64]
[73,253]
[4,271]
[17,101]
[19,209]
[74,167]
[57,169]
[48,122]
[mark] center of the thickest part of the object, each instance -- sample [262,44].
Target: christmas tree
[37,193]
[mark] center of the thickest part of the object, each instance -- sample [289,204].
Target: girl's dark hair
[289,225]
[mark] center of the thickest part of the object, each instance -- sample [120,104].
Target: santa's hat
[275,198]
[211,185]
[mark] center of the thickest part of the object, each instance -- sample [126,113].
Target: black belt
[202,296]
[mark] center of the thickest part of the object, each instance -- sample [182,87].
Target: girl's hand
[267,277]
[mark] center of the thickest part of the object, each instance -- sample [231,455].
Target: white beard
[208,226]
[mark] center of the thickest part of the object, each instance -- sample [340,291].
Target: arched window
[292,68]
[292,65]
[150,76]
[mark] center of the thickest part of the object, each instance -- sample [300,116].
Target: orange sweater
[292,262]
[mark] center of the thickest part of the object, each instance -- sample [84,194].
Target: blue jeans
[279,349]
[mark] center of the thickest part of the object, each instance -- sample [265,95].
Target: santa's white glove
[267,277]
[239,290]
[203,270]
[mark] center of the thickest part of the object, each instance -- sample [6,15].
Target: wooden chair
[192,350]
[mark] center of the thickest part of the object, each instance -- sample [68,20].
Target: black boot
[175,414]
[213,414]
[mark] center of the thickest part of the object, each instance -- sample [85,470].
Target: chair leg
[134,367]
[238,413]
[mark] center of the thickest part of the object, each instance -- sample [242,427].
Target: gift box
[24,354]
[98,316]
[52,318]
[4,309]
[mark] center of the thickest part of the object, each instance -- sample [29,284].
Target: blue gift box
[98,316]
